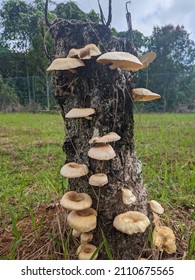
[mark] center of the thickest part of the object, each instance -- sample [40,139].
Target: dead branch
[101,13]
[109,13]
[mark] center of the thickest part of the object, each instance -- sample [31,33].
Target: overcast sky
[146,13]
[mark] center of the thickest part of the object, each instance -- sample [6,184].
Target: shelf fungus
[143,94]
[110,137]
[131,222]
[122,60]
[98,180]
[80,113]
[83,220]
[164,239]
[103,152]
[73,200]
[127,196]
[147,58]
[74,170]
[65,63]
[86,252]
[86,52]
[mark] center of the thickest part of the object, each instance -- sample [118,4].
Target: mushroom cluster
[82,217]
[162,236]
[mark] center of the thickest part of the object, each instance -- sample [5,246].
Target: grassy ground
[31,157]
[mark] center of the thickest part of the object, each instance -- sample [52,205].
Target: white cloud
[145,13]
[148,13]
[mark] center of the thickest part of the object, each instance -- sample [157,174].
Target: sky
[145,13]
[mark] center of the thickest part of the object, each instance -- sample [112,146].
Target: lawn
[31,157]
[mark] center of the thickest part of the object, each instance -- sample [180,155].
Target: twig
[101,13]
[109,13]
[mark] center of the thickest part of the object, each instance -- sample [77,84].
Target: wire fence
[36,93]
[27,94]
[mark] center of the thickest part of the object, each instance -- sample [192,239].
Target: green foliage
[7,95]
[70,10]
[18,20]
[168,74]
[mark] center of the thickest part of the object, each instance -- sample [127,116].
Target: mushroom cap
[76,201]
[80,113]
[156,207]
[85,53]
[143,94]
[164,239]
[103,152]
[83,220]
[73,52]
[88,51]
[127,196]
[156,219]
[76,233]
[147,58]
[86,251]
[122,60]
[74,170]
[131,222]
[98,179]
[86,237]
[110,137]
[65,63]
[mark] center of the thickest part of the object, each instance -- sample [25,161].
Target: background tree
[70,10]
[8,97]
[23,62]
[25,41]
[175,59]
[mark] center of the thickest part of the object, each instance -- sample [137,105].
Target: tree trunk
[108,92]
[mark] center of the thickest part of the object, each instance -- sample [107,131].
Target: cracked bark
[108,92]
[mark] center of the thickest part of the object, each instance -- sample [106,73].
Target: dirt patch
[45,235]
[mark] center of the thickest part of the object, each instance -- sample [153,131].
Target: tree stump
[108,92]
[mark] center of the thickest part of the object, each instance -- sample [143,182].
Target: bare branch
[101,13]
[46,14]
[109,13]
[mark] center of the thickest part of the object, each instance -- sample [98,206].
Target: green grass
[31,157]
[165,145]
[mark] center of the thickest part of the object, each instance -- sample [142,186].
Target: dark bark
[46,14]
[108,92]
